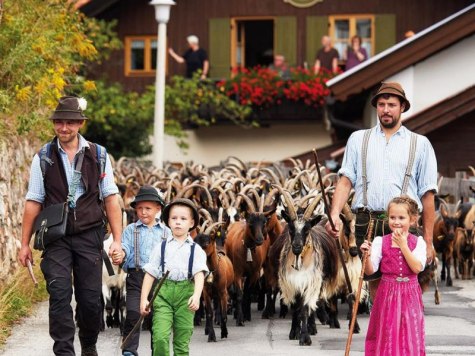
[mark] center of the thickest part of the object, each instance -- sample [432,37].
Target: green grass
[18,297]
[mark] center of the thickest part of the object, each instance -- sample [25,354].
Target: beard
[389,124]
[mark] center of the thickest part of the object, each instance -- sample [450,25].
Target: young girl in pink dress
[396,324]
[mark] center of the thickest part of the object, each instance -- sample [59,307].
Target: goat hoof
[224,334]
[294,333]
[305,340]
[448,282]
[212,337]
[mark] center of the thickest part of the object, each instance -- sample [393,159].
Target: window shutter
[385,32]
[317,26]
[285,38]
[219,47]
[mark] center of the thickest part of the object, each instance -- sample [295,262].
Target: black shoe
[89,350]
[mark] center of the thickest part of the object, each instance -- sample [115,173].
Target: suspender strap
[75,180]
[162,257]
[190,261]
[136,247]
[364,153]
[410,163]
[45,154]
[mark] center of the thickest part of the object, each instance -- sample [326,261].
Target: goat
[217,283]
[307,269]
[445,226]
[464,246]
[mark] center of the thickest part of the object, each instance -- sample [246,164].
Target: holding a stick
[400,256]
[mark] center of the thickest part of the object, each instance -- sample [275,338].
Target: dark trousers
[134,288]
[74,259]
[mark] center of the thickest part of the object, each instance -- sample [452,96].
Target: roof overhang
[404,54]
[442,113]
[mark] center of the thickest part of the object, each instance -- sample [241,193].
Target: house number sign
[302,3]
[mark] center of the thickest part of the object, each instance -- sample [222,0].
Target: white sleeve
[420,252]
[376,252]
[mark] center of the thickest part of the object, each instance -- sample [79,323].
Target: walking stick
[137,324]
[358,292]
[30,271]
[332,224]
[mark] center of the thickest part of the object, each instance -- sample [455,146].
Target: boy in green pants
[179,296]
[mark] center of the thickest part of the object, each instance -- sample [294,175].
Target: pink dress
[396,324]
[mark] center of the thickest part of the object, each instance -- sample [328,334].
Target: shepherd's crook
[358,292]
[327,210]
[137,324]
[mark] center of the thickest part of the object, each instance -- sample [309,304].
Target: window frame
[352,29]
[147,71]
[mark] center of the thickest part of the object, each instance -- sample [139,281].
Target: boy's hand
[366,247]
[144,311]
[194,302]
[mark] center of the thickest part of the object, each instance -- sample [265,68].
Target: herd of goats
[262,228]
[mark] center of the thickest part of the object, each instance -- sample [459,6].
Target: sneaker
[127,353]
[89,350]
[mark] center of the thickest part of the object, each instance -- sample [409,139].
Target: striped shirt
[36,189]
[386,166]
[177,256]
[148,238]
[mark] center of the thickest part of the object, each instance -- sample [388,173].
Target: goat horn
[271,195]
[472,169]
[211,227]
[288,200]
[203,226]
[261,205]
[249,202]
[225,200]
[272,174]
[205,213]
[311,208]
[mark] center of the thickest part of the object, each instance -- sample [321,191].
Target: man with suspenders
[383,162]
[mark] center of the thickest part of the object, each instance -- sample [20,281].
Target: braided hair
[411,204]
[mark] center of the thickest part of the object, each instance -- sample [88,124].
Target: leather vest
[88,212]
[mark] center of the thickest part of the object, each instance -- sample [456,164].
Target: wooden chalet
[247,33]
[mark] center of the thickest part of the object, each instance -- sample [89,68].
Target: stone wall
[15,158]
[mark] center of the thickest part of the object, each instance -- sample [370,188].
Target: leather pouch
[50,225]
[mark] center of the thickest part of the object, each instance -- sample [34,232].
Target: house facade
[247,33]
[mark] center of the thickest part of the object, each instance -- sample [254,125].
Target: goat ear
[286,216]
[315,220]
[443,210]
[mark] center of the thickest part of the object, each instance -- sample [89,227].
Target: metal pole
[159,112]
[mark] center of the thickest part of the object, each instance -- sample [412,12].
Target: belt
[379,214]
[400,279]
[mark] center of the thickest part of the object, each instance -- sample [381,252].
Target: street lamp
[162,15]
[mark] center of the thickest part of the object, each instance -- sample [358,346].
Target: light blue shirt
[148,238]
[386,166]
[36,189]
[177,256]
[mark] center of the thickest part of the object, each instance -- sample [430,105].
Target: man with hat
[383,162]
[180,294]
[68,170]
[138,241]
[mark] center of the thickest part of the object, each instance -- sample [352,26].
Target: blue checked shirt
[386,164]
[177,256]
[36,189]
[149,237]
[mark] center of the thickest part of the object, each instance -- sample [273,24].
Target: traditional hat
[147,193]
[391,88]
[70,108]
[185,202]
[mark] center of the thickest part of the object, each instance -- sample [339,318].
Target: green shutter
[285,38]
[317,27]
[219,47]
[385,32]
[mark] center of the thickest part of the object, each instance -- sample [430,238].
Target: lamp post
[162,15]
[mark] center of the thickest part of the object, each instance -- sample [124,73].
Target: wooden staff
[30,271]
[332,224]
[137,324]
[358,291]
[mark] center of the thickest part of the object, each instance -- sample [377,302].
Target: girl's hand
[399,238]
[194,303]
[366,247]
[144,311]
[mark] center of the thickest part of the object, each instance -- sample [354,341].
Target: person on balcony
[327,57]
[355,54]
[280,66]
[195,58]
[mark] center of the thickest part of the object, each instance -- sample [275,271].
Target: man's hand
[430,253]
[337,221]
[114,251]
[25,254]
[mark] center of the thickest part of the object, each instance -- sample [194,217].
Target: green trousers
[171,311]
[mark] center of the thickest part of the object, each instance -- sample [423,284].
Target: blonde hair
[411,204]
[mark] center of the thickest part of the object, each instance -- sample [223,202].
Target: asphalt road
[450,330]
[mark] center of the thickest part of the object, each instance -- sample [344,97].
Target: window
[252,42]
[343,27]
[140,55]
